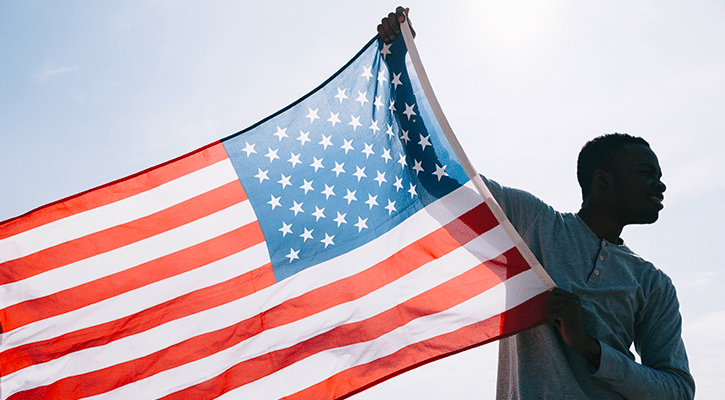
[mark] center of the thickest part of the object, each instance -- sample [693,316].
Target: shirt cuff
[611,364]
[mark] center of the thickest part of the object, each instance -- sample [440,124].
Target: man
[607,297]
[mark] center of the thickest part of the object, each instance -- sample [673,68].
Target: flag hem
[466,163]
[310,93]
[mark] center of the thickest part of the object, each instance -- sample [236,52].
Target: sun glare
[514,24]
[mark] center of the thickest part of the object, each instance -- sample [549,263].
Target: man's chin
[647,218]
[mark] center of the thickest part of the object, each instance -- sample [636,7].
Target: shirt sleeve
[521,207]
[664,372]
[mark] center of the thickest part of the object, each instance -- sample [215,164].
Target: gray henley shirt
[625,300]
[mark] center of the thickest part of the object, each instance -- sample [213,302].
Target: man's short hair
[599,153]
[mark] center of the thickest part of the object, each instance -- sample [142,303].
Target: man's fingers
[393,23]
[389,27]
[401,13]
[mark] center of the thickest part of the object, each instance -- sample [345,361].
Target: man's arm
[663,374]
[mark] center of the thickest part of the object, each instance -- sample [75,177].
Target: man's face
[637,192]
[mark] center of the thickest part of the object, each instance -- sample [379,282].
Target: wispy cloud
[50,71]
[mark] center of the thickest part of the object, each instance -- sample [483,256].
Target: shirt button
[604,242]
[601,258]
[596,272]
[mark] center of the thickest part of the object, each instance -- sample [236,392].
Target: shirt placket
[597,272]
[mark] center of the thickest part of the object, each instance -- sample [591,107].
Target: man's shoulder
[647,273]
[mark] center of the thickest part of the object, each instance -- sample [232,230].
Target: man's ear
[602,179]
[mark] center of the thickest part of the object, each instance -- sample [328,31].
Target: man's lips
[657,198]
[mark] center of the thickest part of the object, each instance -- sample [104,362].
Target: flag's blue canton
[346,163]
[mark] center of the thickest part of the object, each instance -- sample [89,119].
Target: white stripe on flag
[117,213]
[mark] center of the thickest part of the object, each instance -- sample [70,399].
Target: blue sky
[93,91]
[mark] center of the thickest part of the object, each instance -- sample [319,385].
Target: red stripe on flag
[508,264]
[123,235]
[433,246]
[472,224]
[361,377]
[24,356]
[115,191]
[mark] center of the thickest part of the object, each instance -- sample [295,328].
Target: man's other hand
[564,313]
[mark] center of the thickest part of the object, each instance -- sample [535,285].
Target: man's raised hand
[389,27]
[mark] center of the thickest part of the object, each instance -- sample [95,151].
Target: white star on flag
[385,50]
[390,207]
[360,173]
[380,178]
[362,98]
[328,191]
[328,240]
[274,202]
[372,201]
[340,219]
[317,164]
[307,186]
[350,196]
[319,213]
[368,150]
[409,111]
[341,95]
[361,224]
[262,175]
[326,141]
[293,255]
[381,77]
[304,137]
[338,169]
[294,159]
[366,73]
[424,142]
[281,133]
[334,118]
[272,154]
[355,122]
[396,81]
[312,115]
[440,171]
[418,168]
[307,234]
[285,229]
[297,207]
[347,145]
[284,181]
[249,149]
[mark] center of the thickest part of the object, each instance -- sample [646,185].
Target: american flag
[331,246]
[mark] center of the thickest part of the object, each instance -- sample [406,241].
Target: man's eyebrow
[651,167]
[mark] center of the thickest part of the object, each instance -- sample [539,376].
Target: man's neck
[603,225]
